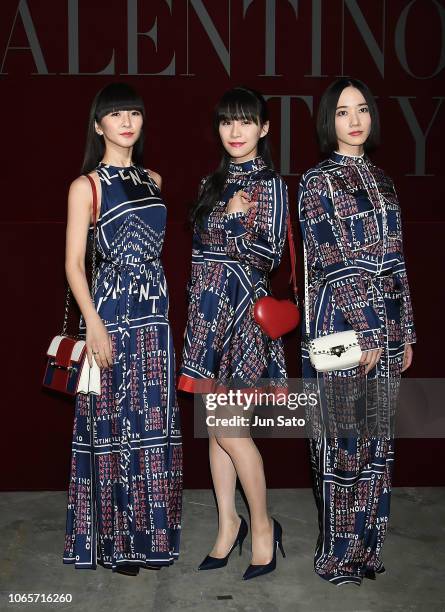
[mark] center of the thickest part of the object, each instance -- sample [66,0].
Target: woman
[239,233]
[351,226]
[124,498]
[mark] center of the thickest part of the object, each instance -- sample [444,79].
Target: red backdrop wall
[181,55]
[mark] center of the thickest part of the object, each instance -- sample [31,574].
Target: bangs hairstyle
[112,98]
[237,104]
[327,137]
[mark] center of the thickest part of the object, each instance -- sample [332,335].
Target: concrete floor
[32,531]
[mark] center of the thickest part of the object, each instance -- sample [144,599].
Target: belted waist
[219,257]
[119,264]
[377,278]
[115,271]
[318,277]
[387,282]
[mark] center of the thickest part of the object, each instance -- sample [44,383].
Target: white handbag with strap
[338,351]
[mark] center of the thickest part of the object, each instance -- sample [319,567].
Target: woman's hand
[98,343]
[407,357]
[370,358]
[240,202]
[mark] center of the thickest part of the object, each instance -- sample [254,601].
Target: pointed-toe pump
[258,570]
[215,562]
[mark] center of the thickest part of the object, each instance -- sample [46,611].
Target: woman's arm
[78,221]
[197,255]
[408,331]
[260,243]
[320,225]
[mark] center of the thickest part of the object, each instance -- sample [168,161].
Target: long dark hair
[113,97]
[237,103]
[327,136]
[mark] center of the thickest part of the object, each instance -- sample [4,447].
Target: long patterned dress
[125,491]
[231,260]
[351,226]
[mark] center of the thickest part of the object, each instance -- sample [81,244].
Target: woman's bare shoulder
[155,176]
[81,186]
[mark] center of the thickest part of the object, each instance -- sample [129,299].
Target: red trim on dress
[209,385]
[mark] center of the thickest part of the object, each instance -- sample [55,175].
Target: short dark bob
[327,136]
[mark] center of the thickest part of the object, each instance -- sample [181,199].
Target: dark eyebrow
[361,104]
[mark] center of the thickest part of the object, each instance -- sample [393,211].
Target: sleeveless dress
[233,255]
[357,279]
[125,489]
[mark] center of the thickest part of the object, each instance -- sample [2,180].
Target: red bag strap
[93,187]
[292,254]
[293,258]
[93,271]
[64,330]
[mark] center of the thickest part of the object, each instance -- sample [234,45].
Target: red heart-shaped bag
[276,317]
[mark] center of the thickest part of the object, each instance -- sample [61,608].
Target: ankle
[229,523]
[262,526]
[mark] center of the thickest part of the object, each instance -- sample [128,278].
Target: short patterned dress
[351,226]
[125,489]
[233,255]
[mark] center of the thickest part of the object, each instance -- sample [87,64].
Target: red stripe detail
[64,352]
[195,385]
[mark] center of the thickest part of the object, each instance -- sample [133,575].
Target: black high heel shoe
[128,570]
[215,562]
[371,574]
[258,570]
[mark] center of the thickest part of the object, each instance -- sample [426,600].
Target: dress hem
[209,385]
[135,562]
[338,580]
